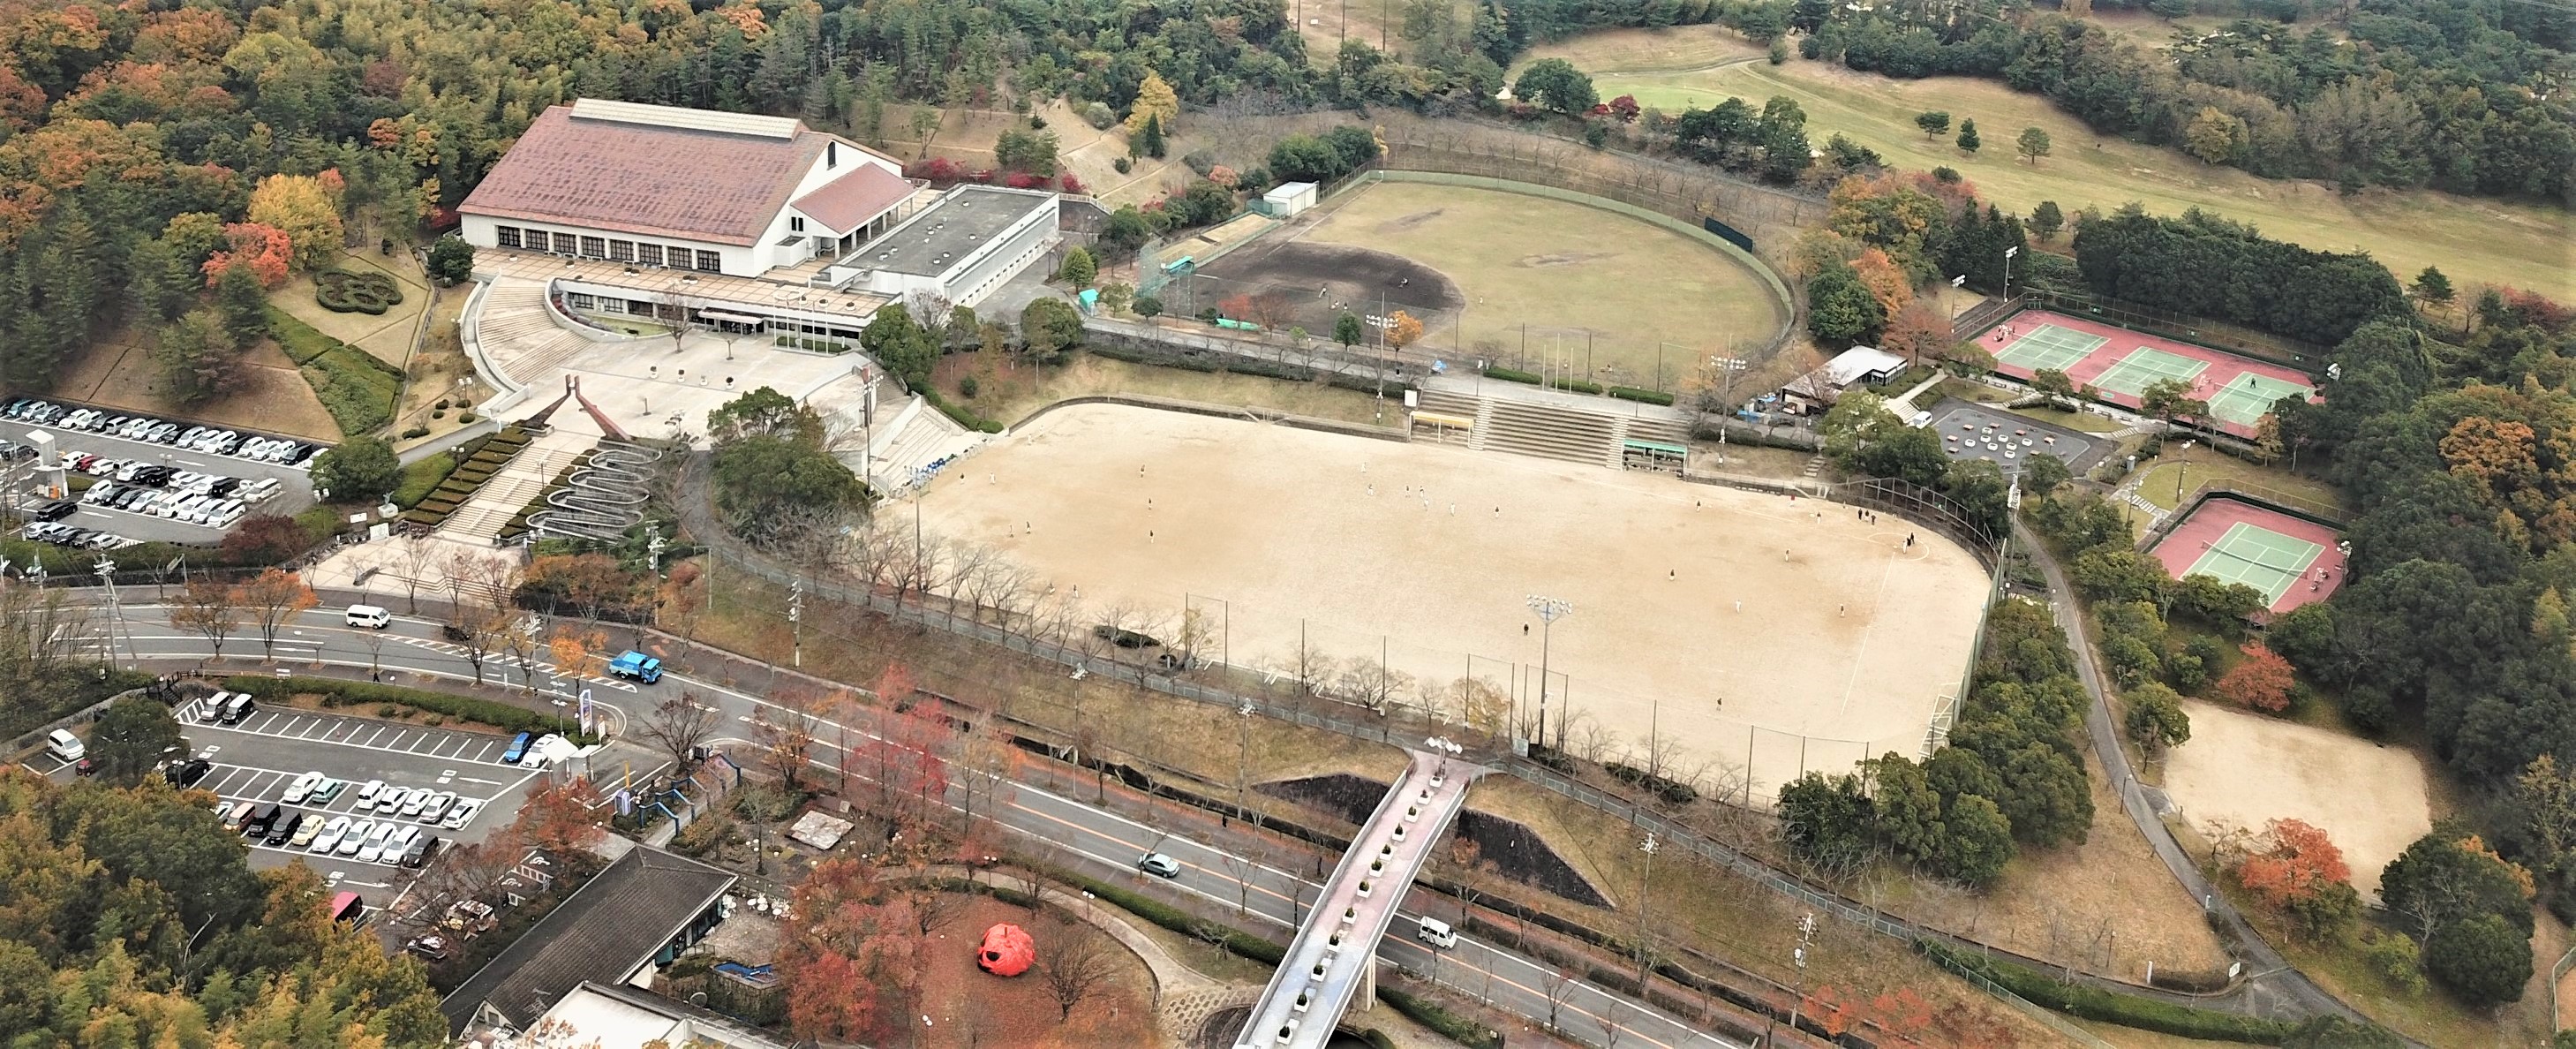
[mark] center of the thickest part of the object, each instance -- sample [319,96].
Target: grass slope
[2473,240]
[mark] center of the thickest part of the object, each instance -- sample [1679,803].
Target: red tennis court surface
[2263,548]
[2119,363]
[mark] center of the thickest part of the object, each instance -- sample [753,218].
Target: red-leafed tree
[1903,1011]
[834,960]
[2294,862]
[562,818]
[2261,682]
[267,250]
[1237,306]
[1625,108]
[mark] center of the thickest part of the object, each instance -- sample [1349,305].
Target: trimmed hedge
[1631,393]
[1452,1026]
[2093,1003]
[338,693]
[1513,375]
[1673,792]
[301,341]
[352,291]
[1577,385]
[423,477]
[1237,942]
[960,414]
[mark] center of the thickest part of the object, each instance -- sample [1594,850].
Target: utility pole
[796,618]
[1549,610]
[1645,944]
[115,611]
[1797,956]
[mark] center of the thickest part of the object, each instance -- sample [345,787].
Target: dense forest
[130,918]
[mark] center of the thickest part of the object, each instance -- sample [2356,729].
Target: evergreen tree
[2432,288]
[1840,309]
[2046,220]
[1346,329]
[2033,144]
[1968,136]
[1151,142]
[1934,123]
[1078,269]
[243,302]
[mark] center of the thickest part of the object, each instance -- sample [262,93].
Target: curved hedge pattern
[349,291]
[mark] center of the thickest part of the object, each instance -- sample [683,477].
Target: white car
[357,837]
[392,800]
[373,850]
[303,786]
[331,835]
[395,844]
[462,814]
[437,806]
[416,801]
[367,792]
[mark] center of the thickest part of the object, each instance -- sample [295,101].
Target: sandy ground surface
[2245,770]
[1737,650]
[117,372]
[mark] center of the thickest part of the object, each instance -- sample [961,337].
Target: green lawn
[2201,466]
[2473,240]
[1600,290]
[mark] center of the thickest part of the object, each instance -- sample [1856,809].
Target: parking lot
[294,493]
[2009,439]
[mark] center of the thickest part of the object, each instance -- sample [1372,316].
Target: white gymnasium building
[742,221]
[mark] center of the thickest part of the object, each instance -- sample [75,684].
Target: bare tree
[680,725]
[417,556]
[478,630]
[1084,959]
[466,872]
[1614,1021]
[1593,740]
[932,906]
[785,736]
[211,609]
[273,598]
[1558,985]
[375,642]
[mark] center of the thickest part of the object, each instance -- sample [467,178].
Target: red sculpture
[1007,950]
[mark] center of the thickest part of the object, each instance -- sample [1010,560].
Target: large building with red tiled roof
[683,189]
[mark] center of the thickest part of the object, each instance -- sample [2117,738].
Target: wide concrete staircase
[481,518]
[522,342]
[1544,430]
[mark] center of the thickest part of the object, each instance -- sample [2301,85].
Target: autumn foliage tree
[835,953]
[1403,330]
[2295,861]
[1885,280]
[561,818]
[267,250]
[306,208]
[2261,682]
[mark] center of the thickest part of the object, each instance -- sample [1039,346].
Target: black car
[284,829]
[422,850]
[185,776]
[54,511]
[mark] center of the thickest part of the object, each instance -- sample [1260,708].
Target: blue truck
[636,665]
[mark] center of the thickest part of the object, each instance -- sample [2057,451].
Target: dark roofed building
[630,919]
[687,189]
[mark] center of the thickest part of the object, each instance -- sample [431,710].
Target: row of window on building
[646,308]
[676,256]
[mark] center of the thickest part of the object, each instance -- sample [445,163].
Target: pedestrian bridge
[1334,958]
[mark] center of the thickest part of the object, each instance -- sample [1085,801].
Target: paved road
[2275,988]
[1081,835]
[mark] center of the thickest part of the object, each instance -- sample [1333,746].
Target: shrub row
[1452,1026]
[301,341]
[423,477]
[2191,981]
[1631,393]
[1238,942]
[1230,365]
[1673,792]
[356,388]
[338,693]
[2093,1003]
[1577,385]
[962,415]
[1513,375]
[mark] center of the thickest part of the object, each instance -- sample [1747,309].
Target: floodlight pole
[1549,610]
[2008,257]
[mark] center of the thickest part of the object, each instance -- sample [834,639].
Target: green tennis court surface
[2051,347]
[2145,366]
[2258,557]
[2247,398]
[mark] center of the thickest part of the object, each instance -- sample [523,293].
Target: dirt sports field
[1528,279]
[2245,770]
[1686,610]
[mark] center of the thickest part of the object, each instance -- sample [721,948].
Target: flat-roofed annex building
[683,189]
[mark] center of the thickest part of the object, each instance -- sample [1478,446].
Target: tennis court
[2265,560]
[2233,540]
[2250,397]
[2119,364]
[2050,347]
[2144,367]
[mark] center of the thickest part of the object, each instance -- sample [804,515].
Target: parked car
[356,838]
[332,834]
[636,665]
[187,775]
[462,814]
[1159,865]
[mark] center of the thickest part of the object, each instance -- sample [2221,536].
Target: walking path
[2272,987]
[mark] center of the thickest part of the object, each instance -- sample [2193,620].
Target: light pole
[115,612]
[1645,875]
[796,619]
[2008,257]
[1549,610]
[1727,367]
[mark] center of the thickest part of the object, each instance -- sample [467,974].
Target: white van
[1435,932]
[369,616]
[62,744]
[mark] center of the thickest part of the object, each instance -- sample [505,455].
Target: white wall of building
[483,231]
